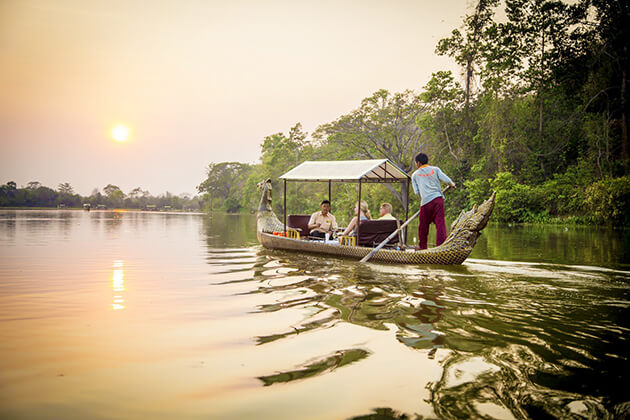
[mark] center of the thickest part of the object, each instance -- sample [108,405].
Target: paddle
[382,244]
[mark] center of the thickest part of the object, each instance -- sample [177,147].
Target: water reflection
[113,220]
[326,364]
[354,294]
[385,413]
[515,340]
[227,321]
[229,230]
[499,384]
[423,333]
[584,245]
[118,285]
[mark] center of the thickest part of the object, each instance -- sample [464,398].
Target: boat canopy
[374,170]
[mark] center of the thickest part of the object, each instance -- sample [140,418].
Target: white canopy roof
[375,170]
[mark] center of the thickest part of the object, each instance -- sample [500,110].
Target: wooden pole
[284,210]
[329,195]
[406,199]
[358,212]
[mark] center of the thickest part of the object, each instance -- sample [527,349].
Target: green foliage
[114,195]
[564,194]
[224,185]
[478,190]
[383,126]
[513,199]
[609,200]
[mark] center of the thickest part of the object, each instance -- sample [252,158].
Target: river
[108,315]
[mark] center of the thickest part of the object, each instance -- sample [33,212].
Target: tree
[40,197]
[279,154]
[443,97]
[33,185]
[611,63]
[384,126]
[8,193]
[225,182]
[467,48]
[65,188]
[135,193]
[114,195]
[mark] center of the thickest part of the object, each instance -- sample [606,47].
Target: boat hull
[440,255]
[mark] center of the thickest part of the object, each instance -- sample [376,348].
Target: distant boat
[87,206]
[274,234]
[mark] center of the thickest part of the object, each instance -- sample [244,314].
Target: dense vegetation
[37,195]
[541,116]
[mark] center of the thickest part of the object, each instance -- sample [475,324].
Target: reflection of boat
[274,234]
[339,359]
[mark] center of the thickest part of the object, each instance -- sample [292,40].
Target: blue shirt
[426,183]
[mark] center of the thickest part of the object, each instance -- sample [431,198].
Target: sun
[120,133]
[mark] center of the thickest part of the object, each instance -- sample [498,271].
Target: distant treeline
[540,116]
[37,195]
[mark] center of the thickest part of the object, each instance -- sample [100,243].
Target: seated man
[322,221]
[386,212]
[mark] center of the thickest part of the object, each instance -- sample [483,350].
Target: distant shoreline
[104,210]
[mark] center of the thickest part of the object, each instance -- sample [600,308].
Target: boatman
[426,183]
[322,221]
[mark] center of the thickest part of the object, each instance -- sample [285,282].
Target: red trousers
[432,212]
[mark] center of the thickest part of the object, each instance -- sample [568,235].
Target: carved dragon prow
[266,219]
[468,226]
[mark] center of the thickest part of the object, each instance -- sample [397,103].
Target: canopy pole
[358,212]
[284,210]
[405,194]
[329,193]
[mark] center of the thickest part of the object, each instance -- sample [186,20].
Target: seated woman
[365,215]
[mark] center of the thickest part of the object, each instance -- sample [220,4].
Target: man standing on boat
[322,221]
[426,183]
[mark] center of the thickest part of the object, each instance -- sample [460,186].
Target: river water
[108,315]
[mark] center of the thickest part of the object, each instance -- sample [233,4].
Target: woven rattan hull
[439,255]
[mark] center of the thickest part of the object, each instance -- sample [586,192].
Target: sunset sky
[194,81]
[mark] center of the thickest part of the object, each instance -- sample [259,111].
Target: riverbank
[170,211]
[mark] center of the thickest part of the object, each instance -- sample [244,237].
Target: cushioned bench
[373,232]
[299,221]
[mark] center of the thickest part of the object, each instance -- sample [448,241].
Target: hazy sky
[196,81]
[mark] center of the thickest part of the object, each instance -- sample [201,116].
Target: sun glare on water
[120,133]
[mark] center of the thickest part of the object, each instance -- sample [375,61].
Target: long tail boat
[272,233]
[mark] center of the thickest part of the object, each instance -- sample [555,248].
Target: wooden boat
[272,233]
